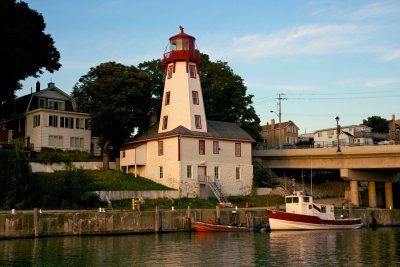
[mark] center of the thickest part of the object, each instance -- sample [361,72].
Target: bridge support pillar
[354,193]
[388,195]
[372,194]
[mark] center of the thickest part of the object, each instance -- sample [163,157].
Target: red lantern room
[182,47]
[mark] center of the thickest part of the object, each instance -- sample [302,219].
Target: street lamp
[337,133]
[280,125]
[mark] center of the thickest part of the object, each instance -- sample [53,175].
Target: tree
[225,97]
[15,179]
[156,72]
[24,48]
[118,99]
[378,124]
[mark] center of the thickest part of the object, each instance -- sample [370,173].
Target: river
[363,247]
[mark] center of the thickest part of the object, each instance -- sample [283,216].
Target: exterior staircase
[218,191]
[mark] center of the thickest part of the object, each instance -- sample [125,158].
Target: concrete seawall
[31,224]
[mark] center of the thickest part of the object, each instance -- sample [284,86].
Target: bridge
[372,164]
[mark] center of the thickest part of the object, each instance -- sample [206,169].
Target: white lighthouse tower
[182,99]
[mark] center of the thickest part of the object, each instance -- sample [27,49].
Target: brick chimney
[37,86]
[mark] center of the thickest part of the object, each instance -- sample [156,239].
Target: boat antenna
[311,177]
[302,179]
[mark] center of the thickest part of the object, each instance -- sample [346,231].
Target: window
[192,71]
[53,120]
[55,141]
[202,147]
[36,121]
[87,124]
[216,147]
[80,123]
[42,103]
[195,97]
[216,172]
[238,150]
[189,171]
[331,132]
[167,98]
[161,172]
[67,122]
[165,122]
[197,121]
[237,173]
[160,148]
[123,154]
[57,105]
[76,142]
[169,74]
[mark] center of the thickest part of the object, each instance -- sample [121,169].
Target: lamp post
[280,125]
[338,133]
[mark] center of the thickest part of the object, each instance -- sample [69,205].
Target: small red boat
[213,227]
[302,214]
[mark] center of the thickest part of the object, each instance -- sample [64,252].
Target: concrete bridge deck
[377,163]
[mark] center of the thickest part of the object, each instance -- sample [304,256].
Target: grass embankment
[111,180]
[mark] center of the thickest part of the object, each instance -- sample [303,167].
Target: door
[201,174]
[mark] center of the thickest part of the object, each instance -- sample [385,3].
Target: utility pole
[280,98]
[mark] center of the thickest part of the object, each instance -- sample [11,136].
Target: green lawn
[116,180]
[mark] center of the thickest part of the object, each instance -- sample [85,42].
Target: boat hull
[279,220]
[210,227]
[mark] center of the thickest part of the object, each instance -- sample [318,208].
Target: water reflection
[363,247]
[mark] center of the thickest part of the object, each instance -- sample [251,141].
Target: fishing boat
[302,214]
[212,226]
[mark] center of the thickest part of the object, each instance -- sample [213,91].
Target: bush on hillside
[15,179]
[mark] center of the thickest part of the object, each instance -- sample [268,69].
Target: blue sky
[329,58]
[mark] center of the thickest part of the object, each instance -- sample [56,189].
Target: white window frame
[189,171]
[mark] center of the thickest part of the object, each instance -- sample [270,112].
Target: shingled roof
[215,129]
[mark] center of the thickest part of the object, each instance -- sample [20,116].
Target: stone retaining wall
[149,194]
[36,223]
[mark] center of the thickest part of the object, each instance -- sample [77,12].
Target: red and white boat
[302,214]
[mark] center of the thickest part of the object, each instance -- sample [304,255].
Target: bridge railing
[322,144]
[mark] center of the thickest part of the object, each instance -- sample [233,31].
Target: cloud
[380,83]
[309,39]
[378,9]
[392,55]
[282,87]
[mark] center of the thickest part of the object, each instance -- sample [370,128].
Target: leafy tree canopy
[24,48]
[378,124]
[118,98]
[225,97]
[156,72]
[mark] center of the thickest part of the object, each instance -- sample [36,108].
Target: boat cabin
[301,203]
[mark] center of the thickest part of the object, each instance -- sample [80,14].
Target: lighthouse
[182,103]
[185,151]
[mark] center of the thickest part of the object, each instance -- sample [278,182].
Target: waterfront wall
[148,194]
[96,165]
[36,223]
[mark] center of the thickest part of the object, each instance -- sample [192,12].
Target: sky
[327,58]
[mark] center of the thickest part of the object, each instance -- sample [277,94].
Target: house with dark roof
[275,134]
[46,118]
[347,135]
[184,150]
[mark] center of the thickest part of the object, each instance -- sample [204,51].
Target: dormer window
[55,104]
[42,103]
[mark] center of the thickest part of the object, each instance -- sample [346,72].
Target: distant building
[349,135]
[184,150]
[270,134]
[47,118]
[394,129]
